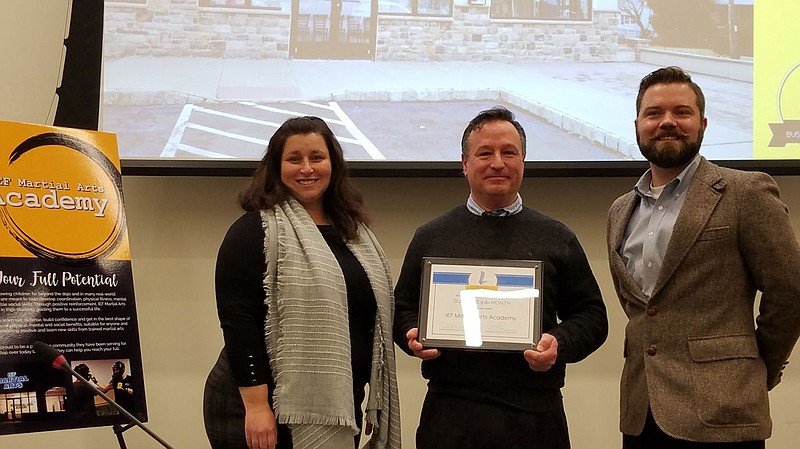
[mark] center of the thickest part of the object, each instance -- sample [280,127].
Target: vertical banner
[65,279]
[776,80]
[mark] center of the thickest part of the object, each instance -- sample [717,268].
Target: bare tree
[636,9]
[688,24]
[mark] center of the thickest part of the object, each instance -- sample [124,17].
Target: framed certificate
[480,304]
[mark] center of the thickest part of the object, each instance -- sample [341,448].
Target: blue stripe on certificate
[503,280]
[451,278]
[514,280]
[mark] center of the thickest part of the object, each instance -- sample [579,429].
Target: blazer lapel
[701,200]
[618,222]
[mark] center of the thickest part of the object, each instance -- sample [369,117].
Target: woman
[305,304]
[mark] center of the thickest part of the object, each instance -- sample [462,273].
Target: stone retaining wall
[181,28]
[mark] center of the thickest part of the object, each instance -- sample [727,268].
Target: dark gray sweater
[573,309]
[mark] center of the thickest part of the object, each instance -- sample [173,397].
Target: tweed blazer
[693,352]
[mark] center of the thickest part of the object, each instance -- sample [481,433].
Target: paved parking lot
[409,111]
[420,131]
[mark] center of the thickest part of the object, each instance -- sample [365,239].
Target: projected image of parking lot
[367,131]
[399,80]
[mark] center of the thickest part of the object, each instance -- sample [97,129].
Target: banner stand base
[118,429]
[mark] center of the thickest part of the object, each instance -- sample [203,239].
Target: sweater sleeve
[407,292]
[583,325]
[241,298]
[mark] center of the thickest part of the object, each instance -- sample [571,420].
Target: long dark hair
[343,204]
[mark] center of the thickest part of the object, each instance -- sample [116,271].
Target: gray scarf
[308,339]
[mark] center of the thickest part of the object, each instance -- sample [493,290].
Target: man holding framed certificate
[496,298]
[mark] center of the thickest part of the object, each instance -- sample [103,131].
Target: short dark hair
[342,202]
[670,75]
[495,114]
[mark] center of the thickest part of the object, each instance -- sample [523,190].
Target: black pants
[653,437]
[223,411]
[448,422]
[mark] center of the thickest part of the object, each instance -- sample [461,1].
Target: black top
[121,395]
[241,266]
[81,402]
[573,309]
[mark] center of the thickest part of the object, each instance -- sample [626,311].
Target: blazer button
[652,311]
[651,350]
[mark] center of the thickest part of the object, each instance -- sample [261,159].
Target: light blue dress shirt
[650,227]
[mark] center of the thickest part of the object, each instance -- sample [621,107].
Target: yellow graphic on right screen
[776,76]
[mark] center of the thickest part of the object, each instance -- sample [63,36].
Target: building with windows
[382,30]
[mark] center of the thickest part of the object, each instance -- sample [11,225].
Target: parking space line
[348,140]
[316,105]
[238,117]
[205,153]
[356,133]
[175,144]
[286,112]
[230,135]
[177,132]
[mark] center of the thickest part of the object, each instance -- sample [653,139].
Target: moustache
[675,134]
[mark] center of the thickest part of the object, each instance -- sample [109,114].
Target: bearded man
[689,248]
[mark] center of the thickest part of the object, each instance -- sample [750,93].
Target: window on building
[244,4]
[385,7]
[416,7]
[54,398]
[133,2]
[542,9]
[14,405]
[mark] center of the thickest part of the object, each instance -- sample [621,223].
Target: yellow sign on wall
[61,195]
[65,275]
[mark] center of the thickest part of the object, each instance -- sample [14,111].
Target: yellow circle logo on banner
[61,198]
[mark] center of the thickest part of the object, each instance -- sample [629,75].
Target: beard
[670,153]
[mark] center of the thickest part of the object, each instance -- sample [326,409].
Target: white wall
[31,41]
[176,225]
